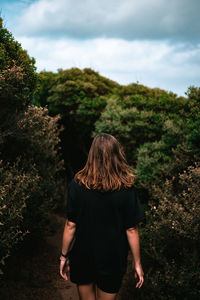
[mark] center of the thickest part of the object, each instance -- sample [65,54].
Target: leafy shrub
[170,241]
[131,126]
[39,133]
[29,145]
[17,77]
[79,96]
[16,187]
[152,99]
[30,187]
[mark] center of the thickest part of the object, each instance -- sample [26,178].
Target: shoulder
[73,189]
[73,184]
[131,190]
[79,185]
[131,195]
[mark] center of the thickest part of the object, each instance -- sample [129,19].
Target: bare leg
[86,291]
[101,295]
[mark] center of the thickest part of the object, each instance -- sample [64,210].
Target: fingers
[140,282]
[62,273]
[140,274]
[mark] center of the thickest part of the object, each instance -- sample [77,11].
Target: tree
[31,162]
[79,96]
[17,77]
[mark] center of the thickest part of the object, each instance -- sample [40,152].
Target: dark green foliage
[79,96]
[30,165]
[170,244]
[157,100]
[170,239]
[16,187]
[66,90]
[40,134]
[17,76]
[152,124]
[130,125]
[31,187]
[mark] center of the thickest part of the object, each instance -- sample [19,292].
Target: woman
[103,211]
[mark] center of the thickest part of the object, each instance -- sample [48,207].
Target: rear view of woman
[103,211]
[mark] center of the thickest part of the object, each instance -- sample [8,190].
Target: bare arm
[68,236]
[134,242]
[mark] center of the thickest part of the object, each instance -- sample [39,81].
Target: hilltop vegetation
[79,96]
[30,161]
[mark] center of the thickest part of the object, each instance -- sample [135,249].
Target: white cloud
[154,42]
[155,64]
[126,19]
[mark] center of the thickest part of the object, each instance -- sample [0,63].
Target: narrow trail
[67,289]
[33,272]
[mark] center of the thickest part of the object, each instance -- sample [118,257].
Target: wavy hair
[106,168]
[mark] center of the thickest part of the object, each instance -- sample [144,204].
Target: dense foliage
[170,241]
[17,76]
[176,215]
[153,135]
[29,147]
[79,96]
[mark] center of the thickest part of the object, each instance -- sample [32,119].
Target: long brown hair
[106,167]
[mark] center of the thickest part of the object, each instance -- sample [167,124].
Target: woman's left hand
[64,263]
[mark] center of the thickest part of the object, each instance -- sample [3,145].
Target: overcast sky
[154,42]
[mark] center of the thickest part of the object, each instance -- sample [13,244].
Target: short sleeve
[71,203]
[132,212]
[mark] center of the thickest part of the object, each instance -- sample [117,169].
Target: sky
[153,42]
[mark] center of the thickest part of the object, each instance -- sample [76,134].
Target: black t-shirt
[101,221]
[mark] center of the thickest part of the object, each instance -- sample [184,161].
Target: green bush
[39,133]
[152,99]
[79,96]
[31,163]
[16,187]
[30,187]
[17,77]
[131,126]
[170,244]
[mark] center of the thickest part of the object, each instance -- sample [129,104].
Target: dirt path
[33,272]
[67,289]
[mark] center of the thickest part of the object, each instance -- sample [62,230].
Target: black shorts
[107,283]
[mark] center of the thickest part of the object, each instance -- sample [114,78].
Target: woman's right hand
[139,274]
[64,263]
